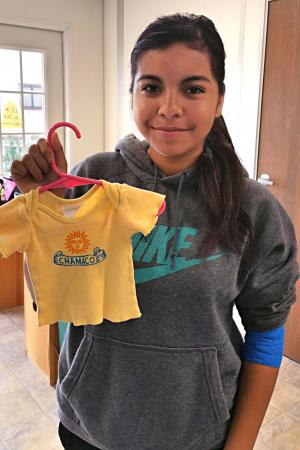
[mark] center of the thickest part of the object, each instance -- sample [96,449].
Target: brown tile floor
[28,419]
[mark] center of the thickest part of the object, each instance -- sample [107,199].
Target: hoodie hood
[134,152]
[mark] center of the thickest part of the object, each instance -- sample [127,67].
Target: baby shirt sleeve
[269,286]
[15,227]
[139,208]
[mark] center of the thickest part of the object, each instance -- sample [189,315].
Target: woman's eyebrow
[149,77]
[196,78]
[185,80]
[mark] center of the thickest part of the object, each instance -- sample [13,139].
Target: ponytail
[222,190]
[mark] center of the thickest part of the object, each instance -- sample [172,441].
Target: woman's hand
[34,169]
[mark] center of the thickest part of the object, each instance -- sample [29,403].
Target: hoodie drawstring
[155,178]
[174,248]
[146,239]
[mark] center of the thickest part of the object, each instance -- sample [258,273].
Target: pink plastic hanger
[69,181]
[64,180]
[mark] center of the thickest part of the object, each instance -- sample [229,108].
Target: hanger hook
[61,124]
[49,140]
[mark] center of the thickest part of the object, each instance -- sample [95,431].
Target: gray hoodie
[168,380]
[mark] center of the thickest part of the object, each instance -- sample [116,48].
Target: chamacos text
[79,260]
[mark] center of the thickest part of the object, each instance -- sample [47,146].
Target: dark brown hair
[221,176]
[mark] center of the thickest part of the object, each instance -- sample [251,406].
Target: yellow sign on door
[11,117]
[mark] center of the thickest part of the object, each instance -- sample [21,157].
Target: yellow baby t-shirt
[79,251]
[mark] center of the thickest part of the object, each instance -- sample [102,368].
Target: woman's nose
[170,106]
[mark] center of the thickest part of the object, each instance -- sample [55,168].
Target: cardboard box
[11,281]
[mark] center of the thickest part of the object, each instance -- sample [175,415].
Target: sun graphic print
[77,242]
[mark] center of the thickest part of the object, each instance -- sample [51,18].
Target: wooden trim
[53,353]
[11,281]
[41,342]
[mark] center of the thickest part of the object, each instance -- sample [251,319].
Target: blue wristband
[264,347]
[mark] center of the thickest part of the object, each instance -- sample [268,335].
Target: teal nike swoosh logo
[143,274]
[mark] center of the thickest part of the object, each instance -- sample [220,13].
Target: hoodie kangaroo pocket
[133,397]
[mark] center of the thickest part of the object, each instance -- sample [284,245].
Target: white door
[31,88]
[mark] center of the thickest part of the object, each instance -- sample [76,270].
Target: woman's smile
[171,132]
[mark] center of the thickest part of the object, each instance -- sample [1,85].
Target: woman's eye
[195,90]
[150,88]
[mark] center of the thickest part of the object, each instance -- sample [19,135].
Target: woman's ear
[220,104]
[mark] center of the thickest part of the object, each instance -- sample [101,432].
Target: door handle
[265,180]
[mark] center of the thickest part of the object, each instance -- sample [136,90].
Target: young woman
[180,377]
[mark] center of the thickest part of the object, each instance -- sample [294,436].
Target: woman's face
[175,101]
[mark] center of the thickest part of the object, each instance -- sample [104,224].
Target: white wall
[252,61]
[241,26]
[82,21]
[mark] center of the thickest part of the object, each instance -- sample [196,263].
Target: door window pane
[27,99]
[12,147]
[33,71]
[10,75]
[34,116]
[38,101]
[11,113]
